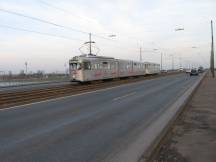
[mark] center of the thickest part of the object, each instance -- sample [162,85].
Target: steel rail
[8,99]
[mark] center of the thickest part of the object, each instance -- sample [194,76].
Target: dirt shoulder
[193,137]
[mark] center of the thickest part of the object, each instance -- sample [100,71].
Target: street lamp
[112,35]
[161,64]
[26,67]
[172,61]
[179,29]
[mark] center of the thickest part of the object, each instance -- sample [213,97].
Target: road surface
[89,127]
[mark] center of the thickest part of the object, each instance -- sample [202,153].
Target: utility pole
[90,44]
[212,52]
[140,54]
[161,61]
[65,65]
[180,62]
[26,67]
[172,61]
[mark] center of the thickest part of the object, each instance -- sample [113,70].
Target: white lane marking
[65,97]
[124,96]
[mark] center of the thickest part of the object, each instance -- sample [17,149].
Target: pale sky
[149,24]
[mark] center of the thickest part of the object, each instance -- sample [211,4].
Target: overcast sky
[149,24]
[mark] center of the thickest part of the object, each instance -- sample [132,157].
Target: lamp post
[161,59]
[26,67]
[140,54]
[212,51]
[180,65]
[179,29]
[112,35]
[172,61]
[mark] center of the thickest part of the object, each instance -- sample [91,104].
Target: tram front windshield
[75,66]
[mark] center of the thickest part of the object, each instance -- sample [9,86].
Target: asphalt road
[88,127]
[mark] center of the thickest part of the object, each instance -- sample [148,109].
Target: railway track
[9,99]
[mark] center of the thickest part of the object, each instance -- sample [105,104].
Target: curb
[145,144]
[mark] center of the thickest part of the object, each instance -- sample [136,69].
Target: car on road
[181,69]
[188,70]
[194,72]
[164,71]
[200,69]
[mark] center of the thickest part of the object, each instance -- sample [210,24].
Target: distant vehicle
[194,72]
[86,68]
[181,69]
[188,70]
[164,71]
[200,69]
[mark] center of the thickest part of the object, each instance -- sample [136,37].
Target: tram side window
[112,65]
[109,66]
[105,65]
[87,66]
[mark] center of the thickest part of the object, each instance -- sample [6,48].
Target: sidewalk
[193,137]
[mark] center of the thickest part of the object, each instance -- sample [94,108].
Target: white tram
[90,67]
